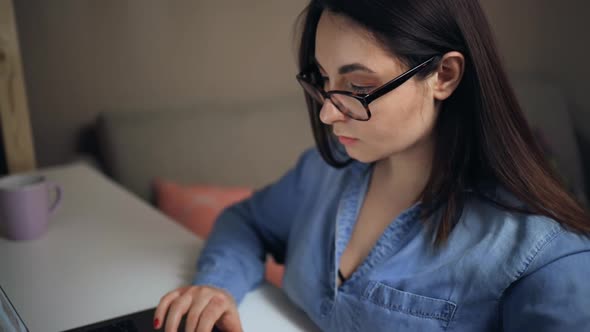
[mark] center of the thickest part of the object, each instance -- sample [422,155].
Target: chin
[362,156]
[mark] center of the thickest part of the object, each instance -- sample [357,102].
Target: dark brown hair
[481,133]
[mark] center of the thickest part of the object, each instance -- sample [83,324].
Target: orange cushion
[196,207]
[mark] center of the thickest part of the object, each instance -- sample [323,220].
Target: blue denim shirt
[499,271]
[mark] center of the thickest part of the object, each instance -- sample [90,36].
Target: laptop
[10,320]
[141,321]
[135,322]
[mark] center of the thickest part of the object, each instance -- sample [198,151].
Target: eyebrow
[349,68]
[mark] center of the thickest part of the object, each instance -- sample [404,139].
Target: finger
[178,308]
[163,305]
[192,318]
[230,321]
[212,312]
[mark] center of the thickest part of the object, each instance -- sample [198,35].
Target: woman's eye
[361,89]
[324,81]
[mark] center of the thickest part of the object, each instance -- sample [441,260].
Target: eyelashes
[361,89]
[351,87]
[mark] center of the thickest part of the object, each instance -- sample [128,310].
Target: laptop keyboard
[120,326]
[141,321]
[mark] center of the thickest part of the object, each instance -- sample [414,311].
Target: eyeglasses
[353,105]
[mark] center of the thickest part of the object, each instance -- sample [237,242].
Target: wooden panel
[14,113]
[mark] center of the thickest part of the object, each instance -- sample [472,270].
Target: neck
[408,171]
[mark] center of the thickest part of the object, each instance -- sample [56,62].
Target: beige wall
[550,38]
[84,56]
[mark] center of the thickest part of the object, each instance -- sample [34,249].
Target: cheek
[401,122]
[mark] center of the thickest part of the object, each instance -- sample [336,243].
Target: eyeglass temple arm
[394,83]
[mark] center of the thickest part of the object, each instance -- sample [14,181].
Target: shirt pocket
[404,309]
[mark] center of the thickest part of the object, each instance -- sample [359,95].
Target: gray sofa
[253,143]
[244,144]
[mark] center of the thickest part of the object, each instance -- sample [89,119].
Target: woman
[427,205]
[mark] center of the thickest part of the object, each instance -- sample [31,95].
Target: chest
[408,291]
[377,211]
[401,285]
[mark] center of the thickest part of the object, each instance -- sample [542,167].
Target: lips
[344,140]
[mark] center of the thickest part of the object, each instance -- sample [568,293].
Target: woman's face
[400,120]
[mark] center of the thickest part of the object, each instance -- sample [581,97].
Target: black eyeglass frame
[305,77]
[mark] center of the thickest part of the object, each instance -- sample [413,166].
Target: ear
[448,75]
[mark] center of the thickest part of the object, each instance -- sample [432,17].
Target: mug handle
[55,187]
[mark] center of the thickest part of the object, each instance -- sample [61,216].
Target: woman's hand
[206,307]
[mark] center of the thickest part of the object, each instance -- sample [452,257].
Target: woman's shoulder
[494,218]
[525,241]
[534,266]
[312,159]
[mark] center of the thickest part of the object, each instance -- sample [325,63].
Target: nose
[330,114]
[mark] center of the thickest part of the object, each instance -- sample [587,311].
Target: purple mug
[25,206]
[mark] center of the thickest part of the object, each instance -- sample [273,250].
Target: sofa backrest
[246,144]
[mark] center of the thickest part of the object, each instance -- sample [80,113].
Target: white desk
[107,253]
